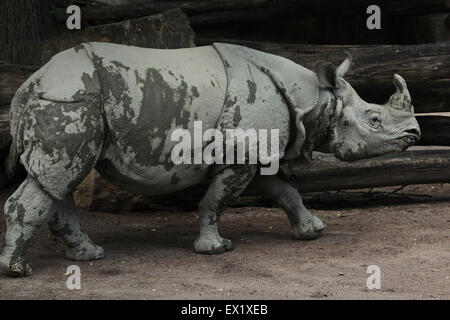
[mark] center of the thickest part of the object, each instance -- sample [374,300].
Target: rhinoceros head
[361,129]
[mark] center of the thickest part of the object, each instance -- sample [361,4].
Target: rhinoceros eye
[375,120]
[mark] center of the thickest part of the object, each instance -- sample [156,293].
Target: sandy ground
[150,255]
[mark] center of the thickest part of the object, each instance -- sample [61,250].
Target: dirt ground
[150,255]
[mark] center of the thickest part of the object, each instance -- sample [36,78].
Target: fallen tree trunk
[246,15]
[424,67]
[104,14]
[326,173]
[11,77]
[435,130]
[5,138]
[207,11]
[409,167]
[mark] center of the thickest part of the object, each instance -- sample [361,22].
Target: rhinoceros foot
[212,245]
[17,269]
[309,229]
[85,251]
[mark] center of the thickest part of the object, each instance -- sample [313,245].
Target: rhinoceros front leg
[225,186]
[305,225]
[65,223]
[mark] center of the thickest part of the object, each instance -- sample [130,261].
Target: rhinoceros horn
[400,100]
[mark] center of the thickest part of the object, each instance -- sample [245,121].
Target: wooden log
[435,130]
[409,167]
[105,14]
[247,15]
[211,10]
[5,138]
[424,28]
[325,174]
[11,77]
[425,67]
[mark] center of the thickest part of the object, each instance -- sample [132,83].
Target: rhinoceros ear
[344,66]
[326,74]
[329,76]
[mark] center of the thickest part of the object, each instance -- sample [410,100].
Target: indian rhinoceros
[113,108]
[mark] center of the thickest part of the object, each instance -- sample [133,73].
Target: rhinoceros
[113,108]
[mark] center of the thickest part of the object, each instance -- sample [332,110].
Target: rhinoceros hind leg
[25,211]
[65,223]
[305,225]
[224,187]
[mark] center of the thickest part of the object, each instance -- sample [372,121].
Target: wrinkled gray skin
[113,108]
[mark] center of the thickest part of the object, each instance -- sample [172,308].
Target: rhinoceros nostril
[413,131]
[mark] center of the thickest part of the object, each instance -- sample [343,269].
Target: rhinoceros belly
[147,94]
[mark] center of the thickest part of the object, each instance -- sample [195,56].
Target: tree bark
[25,22]
[210,10]
[409,167]
[5,137]
[425,28]
[105,14]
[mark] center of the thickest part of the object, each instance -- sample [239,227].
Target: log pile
[300,21]
[409,167]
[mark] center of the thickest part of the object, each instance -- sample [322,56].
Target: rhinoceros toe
[86,251]
[308,229]
[318,224]
[212,245]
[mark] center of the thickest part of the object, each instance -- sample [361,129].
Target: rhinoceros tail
[12,160]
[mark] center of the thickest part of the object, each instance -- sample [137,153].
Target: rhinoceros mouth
[408,139]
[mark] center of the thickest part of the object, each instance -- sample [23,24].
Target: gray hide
[114,107]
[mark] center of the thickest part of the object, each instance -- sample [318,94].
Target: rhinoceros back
[147,94]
